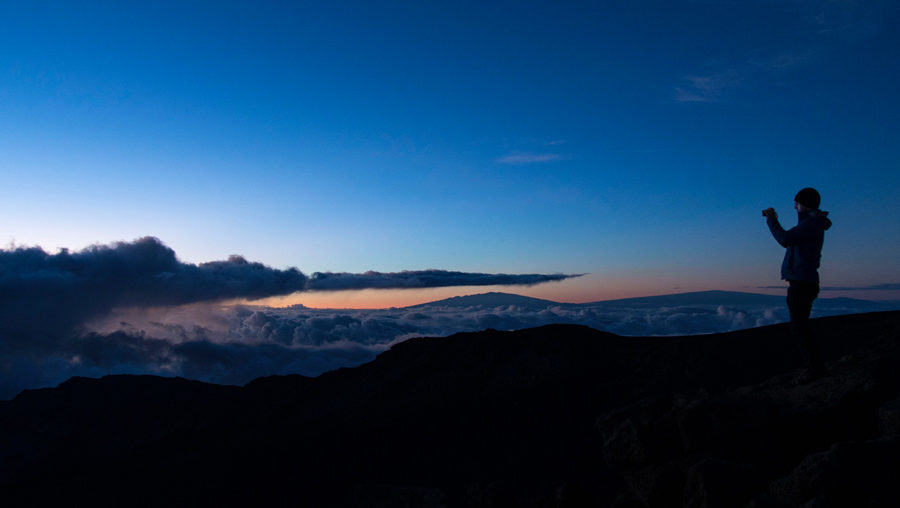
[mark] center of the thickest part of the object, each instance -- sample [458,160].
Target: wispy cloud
[708,88]
[516,158]
[819,30]
[425,279]
[783,61]
[716,86]
[890,286]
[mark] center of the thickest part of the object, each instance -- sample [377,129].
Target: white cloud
[516,158]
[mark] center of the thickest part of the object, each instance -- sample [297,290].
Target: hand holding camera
[770,213]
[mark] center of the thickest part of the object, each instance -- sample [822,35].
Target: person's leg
[800,299]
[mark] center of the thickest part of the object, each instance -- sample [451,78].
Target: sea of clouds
[134,308]
[238,343]
[87,313]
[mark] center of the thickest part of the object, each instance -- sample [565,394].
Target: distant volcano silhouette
[559,415]
[732,298]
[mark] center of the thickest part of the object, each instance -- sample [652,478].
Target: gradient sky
[633,141]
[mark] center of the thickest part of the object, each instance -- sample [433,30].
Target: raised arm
[793,236]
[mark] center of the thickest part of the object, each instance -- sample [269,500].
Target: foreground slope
[553,416]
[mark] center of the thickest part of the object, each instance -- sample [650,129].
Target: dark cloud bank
[46,300]
[134,308]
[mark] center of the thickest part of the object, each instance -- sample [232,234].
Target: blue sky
[635,142]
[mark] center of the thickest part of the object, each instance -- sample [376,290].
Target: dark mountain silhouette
[555,416]
[492,299]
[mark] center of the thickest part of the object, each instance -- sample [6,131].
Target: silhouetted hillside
[560,415]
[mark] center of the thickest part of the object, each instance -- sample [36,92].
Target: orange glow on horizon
[589,288]
[561,292]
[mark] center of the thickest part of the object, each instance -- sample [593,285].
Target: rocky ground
[554,416]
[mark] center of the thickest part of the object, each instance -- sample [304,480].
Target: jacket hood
[818,216]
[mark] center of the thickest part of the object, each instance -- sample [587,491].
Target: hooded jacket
[803,243]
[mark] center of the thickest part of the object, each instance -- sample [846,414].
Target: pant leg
[800,298]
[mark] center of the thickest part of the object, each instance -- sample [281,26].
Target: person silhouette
[800,267]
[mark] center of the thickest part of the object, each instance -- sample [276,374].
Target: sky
[633,142]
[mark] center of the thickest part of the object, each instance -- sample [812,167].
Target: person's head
[807,200]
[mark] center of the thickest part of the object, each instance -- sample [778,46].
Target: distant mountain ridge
[491,299]
[714,297]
